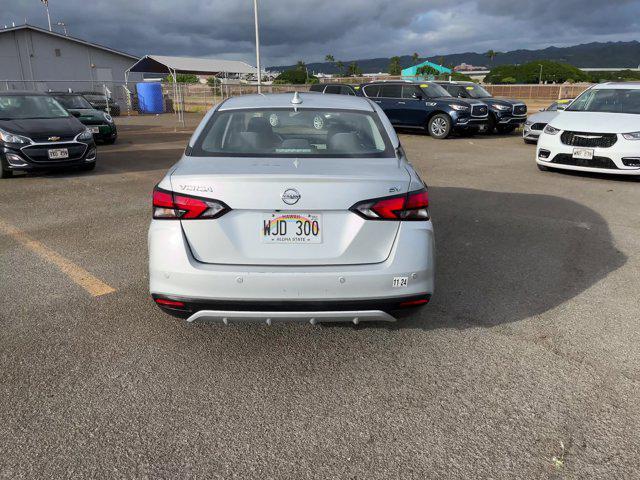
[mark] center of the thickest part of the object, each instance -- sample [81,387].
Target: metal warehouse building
[32,58]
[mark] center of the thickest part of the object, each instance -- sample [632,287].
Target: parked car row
[439,108]
[50,130]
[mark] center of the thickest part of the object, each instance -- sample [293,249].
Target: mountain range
[594,55]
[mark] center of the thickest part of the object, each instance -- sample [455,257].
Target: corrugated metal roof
[66,37]
[212,66]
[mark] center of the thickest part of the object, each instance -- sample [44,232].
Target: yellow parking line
[77,274]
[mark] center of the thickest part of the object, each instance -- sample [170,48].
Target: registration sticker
[470,88]
[424,85]
[399,282]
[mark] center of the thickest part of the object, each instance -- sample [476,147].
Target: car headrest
[297,143]
[259,125]
[345,142]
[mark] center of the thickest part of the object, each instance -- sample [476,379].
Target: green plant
[183,78]
[508,80]
[294,77]
[426,71]
[213,81]
[354,70]
[530,73]
[394,66]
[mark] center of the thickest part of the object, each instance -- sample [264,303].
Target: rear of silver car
[301,227]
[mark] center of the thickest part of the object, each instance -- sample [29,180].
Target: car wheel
[439,126]
[542,168]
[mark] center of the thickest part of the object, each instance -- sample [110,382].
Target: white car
[283,221]
[599,132]
[535,123]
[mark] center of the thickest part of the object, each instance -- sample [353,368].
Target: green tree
[354,70]
[183,78]
[340,67]
[394,66]
[300,65]
[415,57]
[295,77]
[329,58]
[213,81]
[491,55]
[427,70]
[530,73]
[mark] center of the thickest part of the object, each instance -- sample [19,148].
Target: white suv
[599,132]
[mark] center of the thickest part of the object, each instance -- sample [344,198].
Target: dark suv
[336,88]
[505,115]
[427,106]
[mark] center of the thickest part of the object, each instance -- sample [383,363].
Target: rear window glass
[287,133]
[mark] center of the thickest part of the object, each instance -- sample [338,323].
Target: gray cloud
[305,29]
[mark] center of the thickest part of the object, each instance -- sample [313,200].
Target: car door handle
[402,103]
[378,101]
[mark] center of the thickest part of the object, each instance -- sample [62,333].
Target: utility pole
[255,16]
[46,5]
[540,74]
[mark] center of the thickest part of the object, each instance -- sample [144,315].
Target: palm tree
[340,67]
[415,57]
[301,65]
[329,58]
[491,54]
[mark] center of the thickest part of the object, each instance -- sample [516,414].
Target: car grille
[520,109]
[479,111]
[582,139]
[40,153]
[538,126]
[595,162]
[45,139]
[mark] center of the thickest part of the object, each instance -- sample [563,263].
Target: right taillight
[174,206]
[410,206]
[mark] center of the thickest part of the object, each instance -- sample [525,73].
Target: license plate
[291,228]
[583,153]
[58,153]
[95,129]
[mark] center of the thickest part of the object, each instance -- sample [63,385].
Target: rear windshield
[610,100]
[287,133]
[30,106]
[73,101]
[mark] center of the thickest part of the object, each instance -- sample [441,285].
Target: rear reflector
[408,206]
[415,303]
[172,206]
[169,303]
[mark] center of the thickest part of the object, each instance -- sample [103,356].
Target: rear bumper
[226,312]
[175,275]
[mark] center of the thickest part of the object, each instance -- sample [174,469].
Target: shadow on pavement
[503,257]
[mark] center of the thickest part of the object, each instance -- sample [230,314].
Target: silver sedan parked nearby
[535,124]
[315,217]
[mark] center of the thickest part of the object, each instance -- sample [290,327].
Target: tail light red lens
[408,206]
[173,206]
[169,303]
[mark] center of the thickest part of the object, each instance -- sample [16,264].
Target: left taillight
[412,206]
[174,206]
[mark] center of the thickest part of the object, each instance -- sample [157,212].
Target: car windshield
[287,133]
[433,90]
[476,91]
[14,107]
[609,100]
[73,101]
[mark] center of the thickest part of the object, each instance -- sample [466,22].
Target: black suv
[36,132]
[505,115]
[427,106]
[336,88]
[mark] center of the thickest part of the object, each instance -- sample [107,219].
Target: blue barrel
[150,97]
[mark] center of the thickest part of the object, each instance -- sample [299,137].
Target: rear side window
[316,88]
[289,133]
[346,90]
[391,91]
[372,91]
[332,89]
[410,91]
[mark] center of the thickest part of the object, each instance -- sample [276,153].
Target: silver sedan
[291,207]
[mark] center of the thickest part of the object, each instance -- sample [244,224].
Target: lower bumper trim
[227,317]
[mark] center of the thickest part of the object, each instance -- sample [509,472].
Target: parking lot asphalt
[525,364]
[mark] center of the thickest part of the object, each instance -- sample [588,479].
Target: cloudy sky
[309,29]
